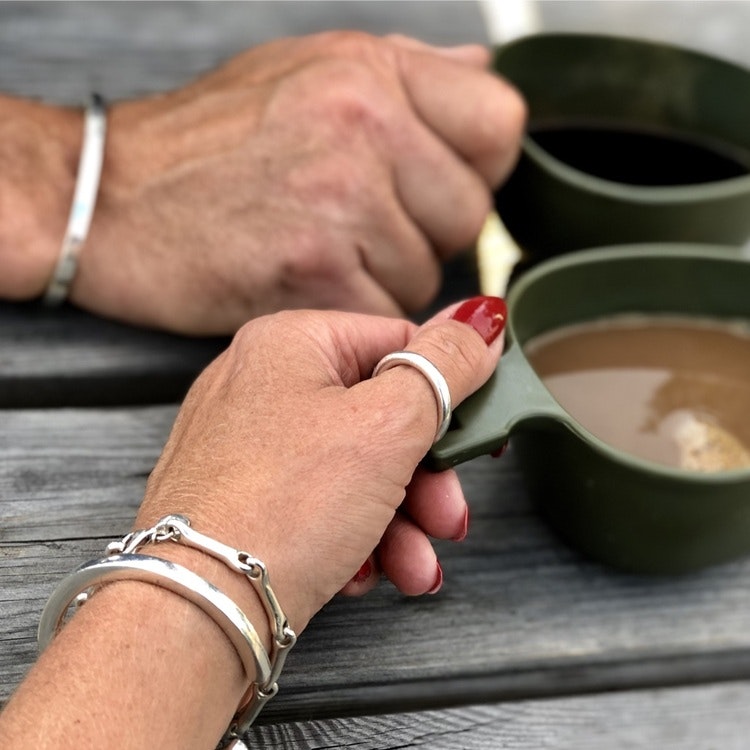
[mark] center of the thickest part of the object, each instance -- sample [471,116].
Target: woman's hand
[336,171]
[286,448]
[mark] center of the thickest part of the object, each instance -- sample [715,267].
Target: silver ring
[434,377]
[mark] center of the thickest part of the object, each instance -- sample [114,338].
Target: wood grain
[65,357]
[520,615]
[700,718]
[62,51]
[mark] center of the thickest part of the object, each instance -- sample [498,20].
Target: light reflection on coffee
[672,390]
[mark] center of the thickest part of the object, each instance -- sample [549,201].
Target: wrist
[294,595]
[263,664]
[233,584]
[262,654]
[39,151]
[157,636]
[179,674]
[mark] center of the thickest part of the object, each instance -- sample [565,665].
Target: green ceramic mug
[627,141]
[622,510]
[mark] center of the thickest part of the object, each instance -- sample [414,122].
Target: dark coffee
[672,390]
[639,157]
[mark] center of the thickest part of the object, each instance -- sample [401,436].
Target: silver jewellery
[84,200]
[124,563]
[78,585]
[175,528]
[434,377]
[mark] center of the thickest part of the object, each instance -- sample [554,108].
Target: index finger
[480,115]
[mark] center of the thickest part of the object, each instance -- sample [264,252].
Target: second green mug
[628,141]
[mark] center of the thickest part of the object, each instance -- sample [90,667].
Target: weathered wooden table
[527,645]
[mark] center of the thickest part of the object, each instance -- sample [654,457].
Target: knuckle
[349,43]
[338,98]
[247,336]
[265,328]
[281,332]
[307,260]
[502,110]
[358,45]
[354,101]
[350,83]
[500,129]
[331,183]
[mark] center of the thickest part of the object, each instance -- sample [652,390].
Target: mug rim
[567,420]
[613,188]
[653,194]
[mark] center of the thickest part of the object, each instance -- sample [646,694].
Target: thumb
[464,343]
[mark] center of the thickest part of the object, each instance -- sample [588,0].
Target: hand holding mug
[287,448]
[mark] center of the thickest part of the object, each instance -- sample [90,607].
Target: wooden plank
[65,357]
[75,474]
[714,716]
[520,614]
[61,51]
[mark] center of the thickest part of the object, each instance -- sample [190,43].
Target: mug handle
[481,424]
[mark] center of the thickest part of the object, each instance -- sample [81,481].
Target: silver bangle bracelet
[168,575]
[176,528]
[84,200]
[125,563]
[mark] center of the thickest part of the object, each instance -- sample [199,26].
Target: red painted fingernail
[363,573]
[464,529]
[499,452]
[438,581]
[486,315]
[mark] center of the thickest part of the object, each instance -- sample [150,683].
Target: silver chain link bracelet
[124,563]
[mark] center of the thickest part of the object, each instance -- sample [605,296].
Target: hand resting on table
[337,170]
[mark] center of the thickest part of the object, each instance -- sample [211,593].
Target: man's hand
[330,171]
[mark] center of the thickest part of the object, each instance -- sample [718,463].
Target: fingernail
[438,580]
[486,315]
[464,529]
[363,573]
[499,452]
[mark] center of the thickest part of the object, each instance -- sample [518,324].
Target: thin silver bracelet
[84,200]
[123,562]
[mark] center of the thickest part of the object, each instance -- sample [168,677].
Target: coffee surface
[675,391]
[640,157]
